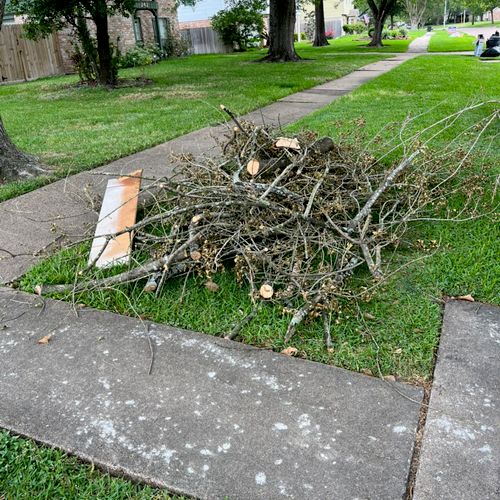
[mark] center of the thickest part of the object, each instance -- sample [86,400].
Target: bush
[176,44]
[140,56]
[302,37]
[238,24]
[356,28]
[403,32]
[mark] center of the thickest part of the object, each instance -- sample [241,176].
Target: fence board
[204,41]
[23,59]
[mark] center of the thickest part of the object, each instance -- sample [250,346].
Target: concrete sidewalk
[460,457]
[421,44]
[36,221]
[215,418]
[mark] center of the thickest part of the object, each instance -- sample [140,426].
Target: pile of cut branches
[294,217]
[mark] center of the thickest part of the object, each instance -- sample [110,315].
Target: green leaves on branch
[240,22]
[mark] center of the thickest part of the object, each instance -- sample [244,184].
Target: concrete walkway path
[421,44]
[35,222]
[460,457]
[215,419]
[487,31]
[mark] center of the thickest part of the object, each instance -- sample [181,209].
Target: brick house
[150,23]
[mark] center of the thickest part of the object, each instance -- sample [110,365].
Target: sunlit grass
[75,128]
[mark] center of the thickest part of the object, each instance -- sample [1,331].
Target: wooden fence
[204,41]
[22,59]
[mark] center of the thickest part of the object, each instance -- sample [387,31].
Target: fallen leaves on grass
[290,351]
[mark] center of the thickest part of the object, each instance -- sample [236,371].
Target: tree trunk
[281,28]
[392,21]
[492,16]
[320,39]
[377,33]
[380,12]
[14,164]
[107,73]
[2,11]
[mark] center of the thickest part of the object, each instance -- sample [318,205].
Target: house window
[139,39]
[8,18]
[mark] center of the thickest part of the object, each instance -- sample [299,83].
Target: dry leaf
[45,340]
[468,298]
[253,167]
[367,371]
[38,290]
[266,291]
[196,218]
[213,287]
[390,378]
[285,142]
[330,350]
[290,351]
[398,350]
[369,316]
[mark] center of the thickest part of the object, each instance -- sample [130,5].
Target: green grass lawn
[28,470]
[358,43]
[407,311]
[401,334]
[441,41]
[73,128]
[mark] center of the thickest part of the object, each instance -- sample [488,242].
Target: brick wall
[121,31]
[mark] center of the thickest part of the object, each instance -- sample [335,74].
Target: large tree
[380,9]
[281,30]
[2,11]
[45,16]
[320,39]
[239,22]
[416,10]
[14,164]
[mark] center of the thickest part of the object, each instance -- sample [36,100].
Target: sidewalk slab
[421,44]
[460,456]
[32,223]
[215,418]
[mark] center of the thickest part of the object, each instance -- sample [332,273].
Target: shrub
[302,36]
[359,28]
[238,24]
[140,56]
[403,32]
[356,28]
[176,44]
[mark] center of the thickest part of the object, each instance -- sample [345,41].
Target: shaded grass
[441,41]
[358,43]
[29,470]
[75,128]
